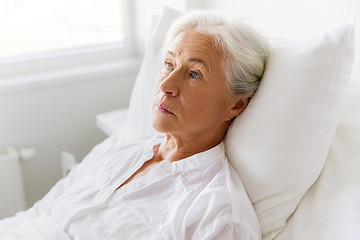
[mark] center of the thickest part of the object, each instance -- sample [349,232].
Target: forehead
[197,46]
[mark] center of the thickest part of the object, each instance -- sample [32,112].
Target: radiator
[12,197]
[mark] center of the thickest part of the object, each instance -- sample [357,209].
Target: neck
[175,147]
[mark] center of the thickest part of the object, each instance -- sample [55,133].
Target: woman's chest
[148,212]
[150,207]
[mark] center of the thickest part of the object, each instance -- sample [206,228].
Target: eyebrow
[171,53]
[198,60]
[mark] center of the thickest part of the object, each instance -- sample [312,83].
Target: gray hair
[245,49]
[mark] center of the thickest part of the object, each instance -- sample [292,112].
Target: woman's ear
[238,106]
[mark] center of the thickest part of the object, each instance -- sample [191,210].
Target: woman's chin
[161,125]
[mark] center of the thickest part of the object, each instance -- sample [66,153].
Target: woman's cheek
[199,100]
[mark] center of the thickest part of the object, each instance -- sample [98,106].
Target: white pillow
[139,115]
[330,210]
[279,144]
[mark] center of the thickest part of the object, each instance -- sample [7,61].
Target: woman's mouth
[163,109]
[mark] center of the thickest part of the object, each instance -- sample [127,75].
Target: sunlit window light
[32,26]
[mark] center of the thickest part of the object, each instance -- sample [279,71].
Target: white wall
[53,119]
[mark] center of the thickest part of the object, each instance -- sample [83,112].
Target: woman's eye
[195,75]
[168,66]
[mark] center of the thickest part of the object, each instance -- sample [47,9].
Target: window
[30,26]
[51,38]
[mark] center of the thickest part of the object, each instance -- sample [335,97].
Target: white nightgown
[200,197]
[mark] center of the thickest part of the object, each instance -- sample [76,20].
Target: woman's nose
[170,84]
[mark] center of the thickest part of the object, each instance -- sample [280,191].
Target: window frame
[74,64]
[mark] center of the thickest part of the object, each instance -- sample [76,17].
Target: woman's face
[191,96]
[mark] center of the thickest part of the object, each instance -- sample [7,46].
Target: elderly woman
[178,184]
